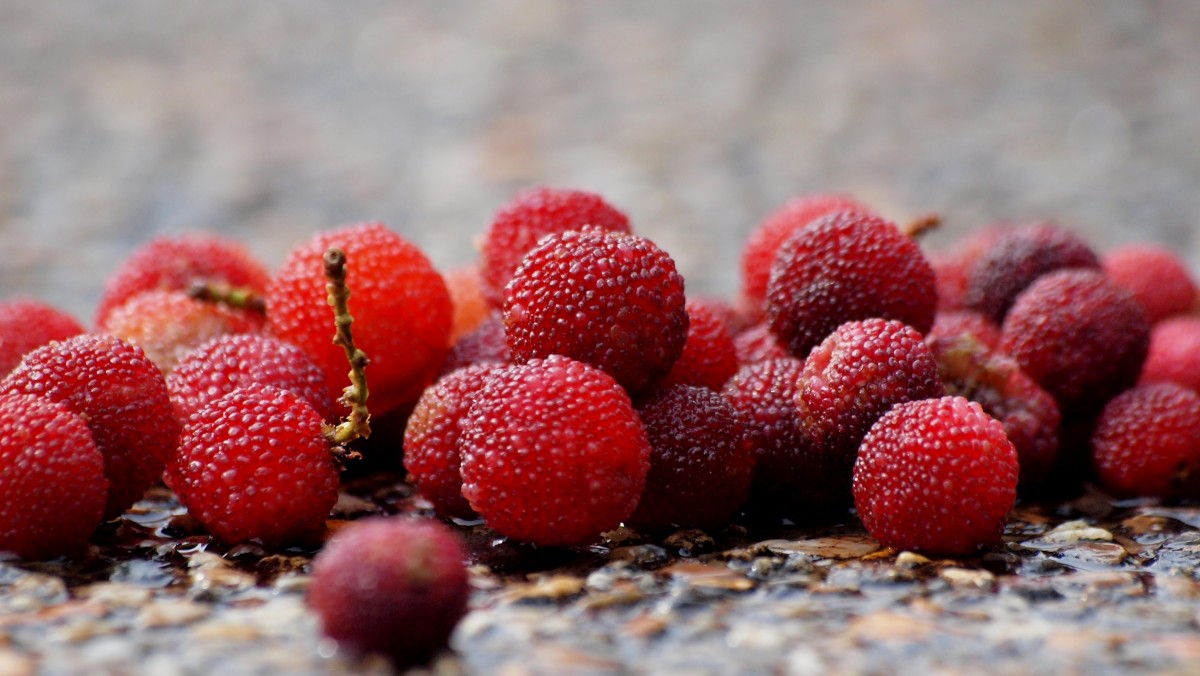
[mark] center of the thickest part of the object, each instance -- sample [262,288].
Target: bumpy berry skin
[1147,442]
[757,343]
[402,311]
[709,357]
[531,215]
[937,476]
[224,364]
[847,266]
[1017,258]
[1155,276]
[431,438]
[701,460]
[485,345]
[254,466]
[174,263]
[1174,355]
[608,299]
[764,242]
[391,585]
[28,324]
[853,377]
[1081,337]
[169,324]
[553,452]
[52,485]
[123,397]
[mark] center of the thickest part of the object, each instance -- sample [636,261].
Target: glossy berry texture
[608,299]
[757,343]
[528,217]
[123,398]
[1156,276]
[52,485]
[1147,442]
[487,344]
[762,246]
[431,438]
[223,365]
[553,452]
[174,263]
[254,466]
[709,357]
[844,267]
[1174,354]
[169,324]
[393,586]
[1018,257]
[29,324]
[402,312]
[936,476]
[701,460]
[1081,337]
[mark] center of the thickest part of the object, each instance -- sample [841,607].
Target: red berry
[466,295]
[1080,336]
[400,305]
[937,476]
[701,459]
[1174,354]
[1147,442]
[953,266]
[29,324]
[52,485]
[223,365]
[254,465]
[757,343]
[485,345]
[709,357]
[844,267]
[174,263]
[123,398]
[1155,276]
[553,452]
[393,586]
[531,215]
[608,299]
[957,323]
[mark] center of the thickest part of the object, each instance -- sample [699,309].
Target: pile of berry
[565,385]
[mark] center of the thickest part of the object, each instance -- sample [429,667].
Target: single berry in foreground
[391,585]
[29,324]
[936,476]
[52,485]
[1156,276]
[1147,442]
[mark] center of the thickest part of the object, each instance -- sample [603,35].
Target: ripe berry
[701,459]
[1147,442]
[431,438]
[757,343]
[764,242]
[553,452]
[28,324]
[1080,336]
[953,266]
[391,585]
[254,465]
[709,357]
[1174,354]
[844,267]
[531,215]
[964,322]
[937,476]
[229,362]
[1155,276]
[52,485]
[175,263]
[466,296]
[123,398]
[608,299]
[400,305]
[1016,259]
[485,345]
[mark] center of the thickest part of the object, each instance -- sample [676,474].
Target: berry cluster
[566,385]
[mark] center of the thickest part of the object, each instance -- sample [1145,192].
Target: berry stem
[357,424]
[921,225]
[238,297]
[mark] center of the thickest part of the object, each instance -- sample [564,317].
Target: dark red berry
[29,324]
[937,476]
[1147,442]
[1174,354]
[487,344]
[1156,277]
[758,343]
[709,357]
[953,266]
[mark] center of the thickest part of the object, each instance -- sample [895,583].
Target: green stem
[357,423]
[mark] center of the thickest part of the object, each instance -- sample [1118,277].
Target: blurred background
[269,120]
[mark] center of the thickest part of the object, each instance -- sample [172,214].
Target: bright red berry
[553,452]
[1147,442]
[401,308]
[1156,277]
[123,397]
[608,299]
[391,585]
[52,485]
[1174,354]
[709,357]
[29,324]
[844,267]
[528,217]
[937,475]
